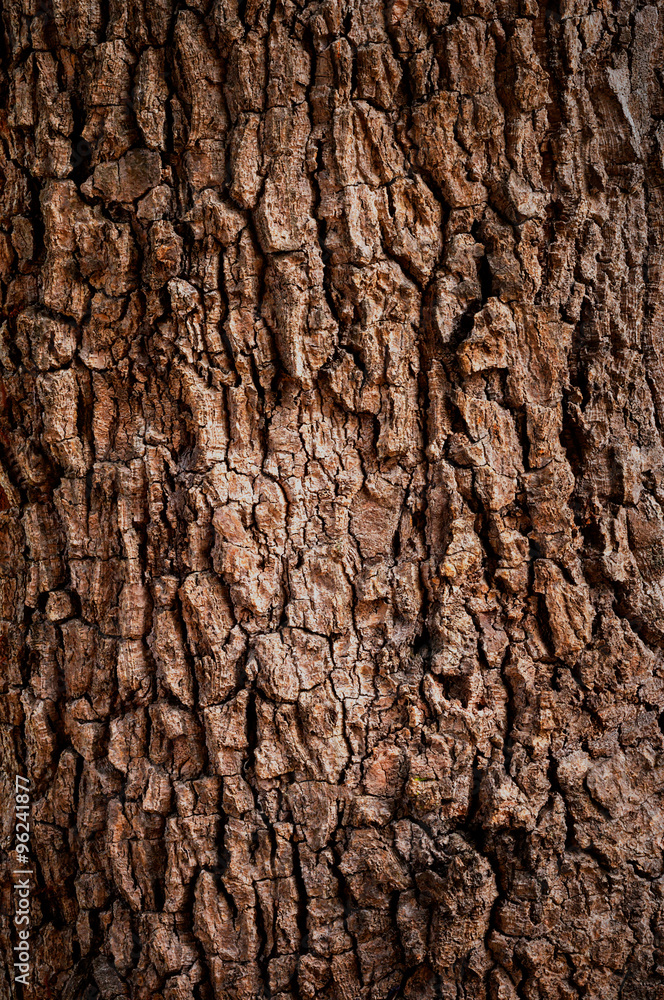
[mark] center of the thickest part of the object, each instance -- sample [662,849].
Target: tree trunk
[333,498]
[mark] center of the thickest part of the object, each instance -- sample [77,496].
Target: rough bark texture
[333,496]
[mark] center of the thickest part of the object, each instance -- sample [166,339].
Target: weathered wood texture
[332,496]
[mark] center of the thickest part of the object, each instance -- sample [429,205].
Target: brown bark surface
[332,505]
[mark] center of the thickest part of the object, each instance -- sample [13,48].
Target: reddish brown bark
[332,497]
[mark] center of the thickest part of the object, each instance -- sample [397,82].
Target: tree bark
[333,497]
